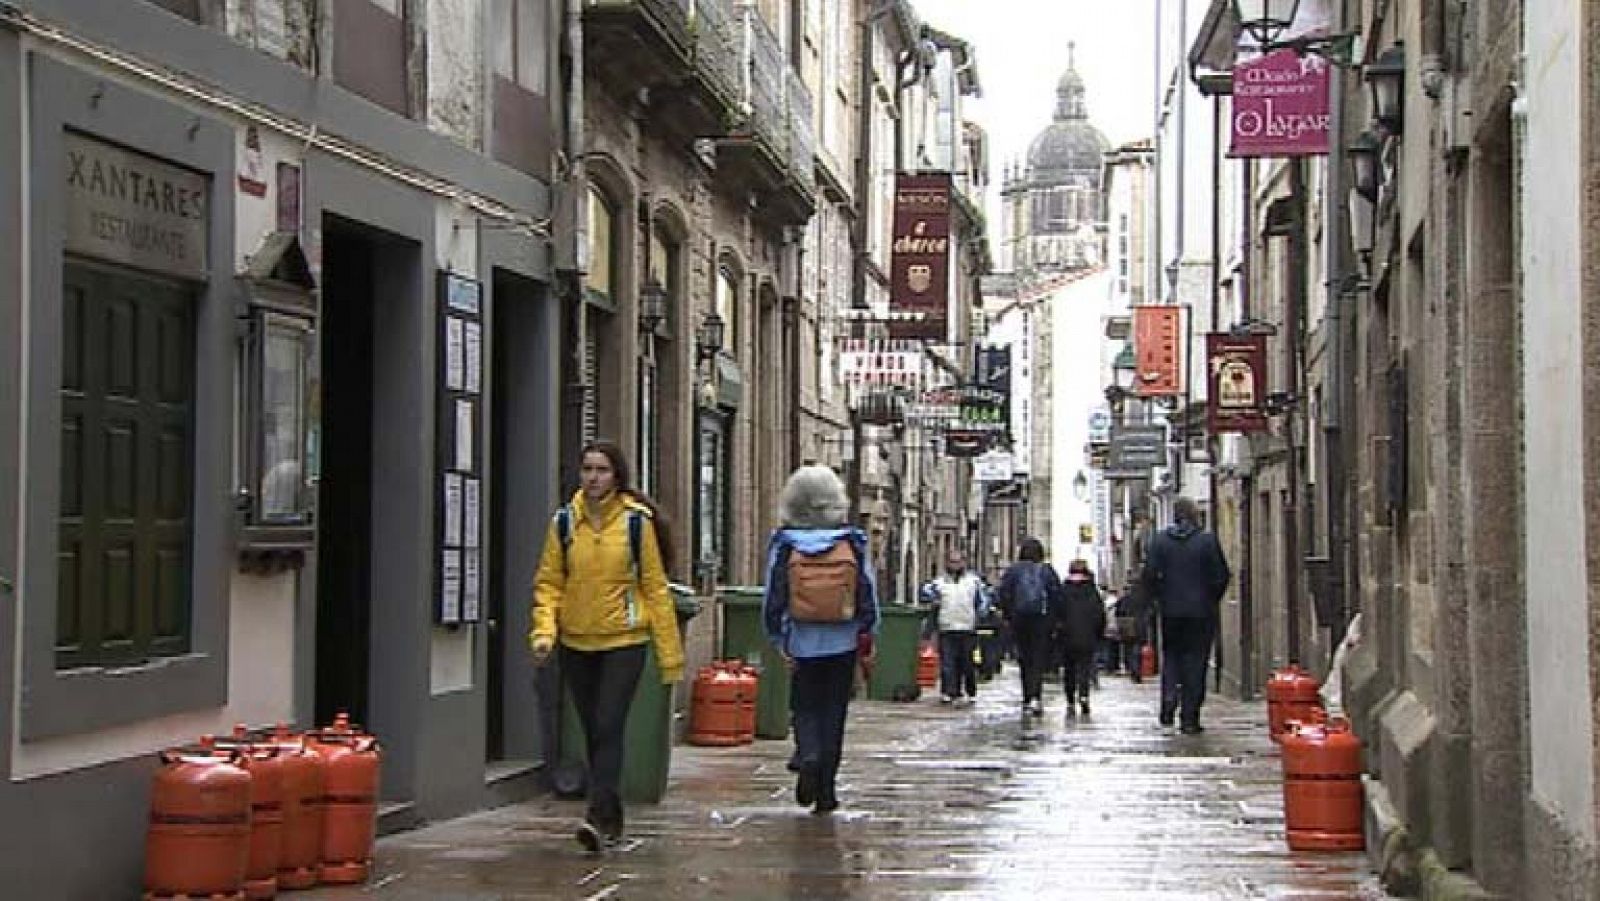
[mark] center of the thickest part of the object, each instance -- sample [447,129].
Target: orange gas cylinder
[301,853]
[262,760]
[750,686]
[1291,695]
[1147,661]
[715,719]
[927,665]
[1322,802]
[199,836]
[349,801]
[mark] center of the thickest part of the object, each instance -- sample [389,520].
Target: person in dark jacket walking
[1025,592]
[822,652]
[1080,620]
[1133,627]
[1185,574]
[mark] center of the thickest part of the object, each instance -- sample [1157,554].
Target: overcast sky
[1022,51]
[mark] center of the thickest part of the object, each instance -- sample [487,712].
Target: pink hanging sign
[1280,105]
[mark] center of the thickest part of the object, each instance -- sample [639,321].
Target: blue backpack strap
[635,540]
[564,532]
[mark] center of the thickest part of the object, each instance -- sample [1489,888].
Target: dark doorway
[521,469]
[344,491]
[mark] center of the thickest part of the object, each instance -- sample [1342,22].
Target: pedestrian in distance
[1080,619]
[1133,627]
[600,596]
[821,612]
[1025,592]
[1186,575]
[962,602]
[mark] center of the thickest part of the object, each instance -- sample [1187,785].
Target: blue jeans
[1185,652]
[602,685]
[958,673]
[819,698]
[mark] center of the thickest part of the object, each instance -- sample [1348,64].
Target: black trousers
[1033,653]
[958,674]
[1185,651]
[1077,674]
[602,685]
[819,699]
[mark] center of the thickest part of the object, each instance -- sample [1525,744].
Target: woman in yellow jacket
[601,594]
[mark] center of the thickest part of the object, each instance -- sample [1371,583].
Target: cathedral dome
[1070,143]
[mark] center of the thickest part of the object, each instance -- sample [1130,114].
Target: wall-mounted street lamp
[652,305]
[1386,76]
[1265,20]
[1080,486]
[708,338]
[1366,174]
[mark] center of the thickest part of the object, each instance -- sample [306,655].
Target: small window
[602,250]
[728,308]
[518,43]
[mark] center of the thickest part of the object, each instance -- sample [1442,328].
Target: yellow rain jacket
[591,601]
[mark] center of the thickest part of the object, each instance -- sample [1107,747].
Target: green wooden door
[127,408]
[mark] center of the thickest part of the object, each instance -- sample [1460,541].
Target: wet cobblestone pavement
[946,802]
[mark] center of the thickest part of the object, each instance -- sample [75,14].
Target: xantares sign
[1280,105]
[130,208]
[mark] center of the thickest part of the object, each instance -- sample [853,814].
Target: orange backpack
[822,587]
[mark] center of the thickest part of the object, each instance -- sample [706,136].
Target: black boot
[827,796]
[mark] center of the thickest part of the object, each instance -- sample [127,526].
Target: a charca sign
[1280,105]
[919,260]
[130,208]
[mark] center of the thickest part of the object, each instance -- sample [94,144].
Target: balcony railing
[671,17]
[762,91]
[716,51]
[802,134]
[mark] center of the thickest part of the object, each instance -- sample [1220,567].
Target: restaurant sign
[1236,369]
[919,260]
[130,208]
[1280,105]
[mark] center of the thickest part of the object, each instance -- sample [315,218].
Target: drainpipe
[1293,316]
[1247,603]
[1213,444]
[576,190]
[1337,249]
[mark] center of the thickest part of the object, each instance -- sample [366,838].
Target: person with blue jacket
[816,544]
[1186,575]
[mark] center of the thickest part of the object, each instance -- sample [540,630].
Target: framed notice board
[458,482]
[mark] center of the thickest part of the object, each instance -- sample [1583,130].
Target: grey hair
[814,498]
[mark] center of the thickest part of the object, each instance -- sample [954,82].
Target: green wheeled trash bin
[647,757]
[899,633]
[744,637]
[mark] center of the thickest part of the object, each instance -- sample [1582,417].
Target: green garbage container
[899,633]
[648,755]
[745,638]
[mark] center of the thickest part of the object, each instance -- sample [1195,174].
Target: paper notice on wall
[470,509]
[455,359]
[464,435]
[450,586]
[452,509]
[474,358]
[471,587]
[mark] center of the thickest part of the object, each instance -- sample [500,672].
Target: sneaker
[805,788]
[591,839]
[947,699]
[1083,705]
[1036,707]
[1192,729]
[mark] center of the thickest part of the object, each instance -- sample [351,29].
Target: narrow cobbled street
[946,802]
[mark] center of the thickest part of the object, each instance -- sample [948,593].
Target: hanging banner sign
[1236,372]
[1280,105]
[1158,351]
[881,364]
[919,260]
